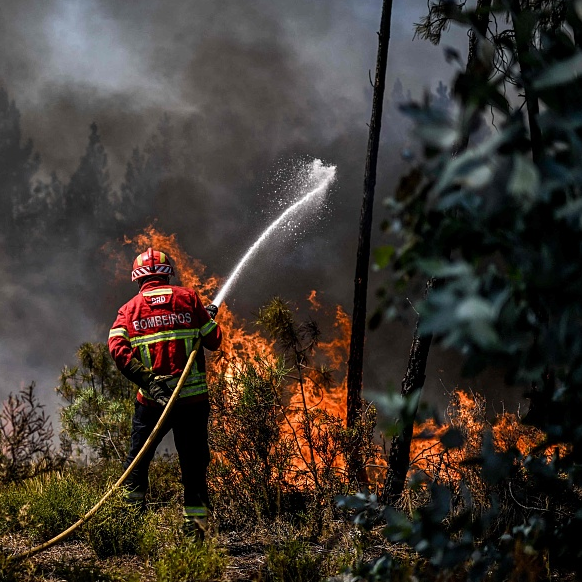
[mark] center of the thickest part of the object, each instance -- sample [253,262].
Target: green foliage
[99,403]
[115,529]
[192,561]
[499,231]
[161,531]
[293,561]
[47,504]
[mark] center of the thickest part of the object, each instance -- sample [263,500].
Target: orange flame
[312,298]
[468,414]
[240,345]
[319,402]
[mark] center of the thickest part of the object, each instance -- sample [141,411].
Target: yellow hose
[146,446]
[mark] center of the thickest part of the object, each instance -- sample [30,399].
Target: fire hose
[132,465]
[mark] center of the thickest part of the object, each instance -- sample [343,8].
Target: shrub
[277,450]
[25,438]
[161,531]
[115,529]
[293,561]
[248,474]
[47,504]
[99,403]
[192,561]
[165,485]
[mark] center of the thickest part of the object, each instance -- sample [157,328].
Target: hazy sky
[261,82]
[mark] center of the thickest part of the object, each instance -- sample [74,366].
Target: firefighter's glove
[212,310]
[155,386]
[159,390]
[137,373]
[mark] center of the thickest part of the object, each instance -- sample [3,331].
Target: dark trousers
[190,426]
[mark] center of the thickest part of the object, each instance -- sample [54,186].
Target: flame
[312,298]
[238,344]
[467,412]
[307,398]
[324,405]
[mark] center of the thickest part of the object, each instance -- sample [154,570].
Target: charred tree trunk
[356,357]
[523,51]
[478,32]
[399,456]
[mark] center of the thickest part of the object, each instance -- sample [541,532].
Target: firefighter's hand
[212,310]
[159,390]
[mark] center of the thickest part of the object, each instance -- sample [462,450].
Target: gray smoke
[247,86]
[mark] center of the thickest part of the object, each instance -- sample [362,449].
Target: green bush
[15,508]
[100,400]
[47,504]
[161,530]
[115,529]
[294,561]
[192,561]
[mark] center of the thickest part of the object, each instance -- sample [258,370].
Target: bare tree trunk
[478,32]
[356,357]
[399,456]
[523,50]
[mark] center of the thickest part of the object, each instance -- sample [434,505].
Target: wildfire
[311,396]
[467,413]
[305,397]
[238,344]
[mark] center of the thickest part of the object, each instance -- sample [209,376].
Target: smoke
[246,85]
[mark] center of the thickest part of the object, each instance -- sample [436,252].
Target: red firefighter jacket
[159,327]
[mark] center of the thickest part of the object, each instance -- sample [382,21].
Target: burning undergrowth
[281,449]
[278,390]
[278,393]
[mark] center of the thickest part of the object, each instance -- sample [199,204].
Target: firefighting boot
[134,499]
[195,523]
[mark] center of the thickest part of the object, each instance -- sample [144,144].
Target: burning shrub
[278,432]
[249,474]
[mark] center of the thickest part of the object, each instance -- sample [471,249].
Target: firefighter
[150,341]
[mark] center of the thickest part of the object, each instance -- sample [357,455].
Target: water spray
[318,178]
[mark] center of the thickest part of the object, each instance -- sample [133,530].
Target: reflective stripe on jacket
[159,327]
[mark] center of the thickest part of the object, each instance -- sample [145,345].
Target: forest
[311,478]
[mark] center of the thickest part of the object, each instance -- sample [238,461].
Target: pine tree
[146,172]
[18,164]
[88,196]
